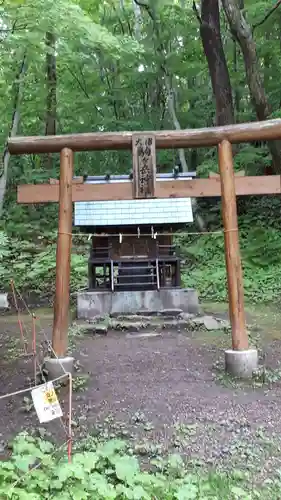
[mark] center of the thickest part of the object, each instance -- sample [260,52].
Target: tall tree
[210,32]
[243,33]
[51,81]
[16,100]
[170,91]
[51,84]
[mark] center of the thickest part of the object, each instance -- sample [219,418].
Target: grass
[13,347]
[264,317]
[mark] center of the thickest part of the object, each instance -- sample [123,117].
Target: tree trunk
[174,118]
[171,100]
[172,110]
[242,32]
[279,31]
[236,92]
[17,93]
[138,20]
[212,44]
[51,81]
[193,154]
[267,65]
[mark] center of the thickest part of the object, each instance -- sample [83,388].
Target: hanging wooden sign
[144,165]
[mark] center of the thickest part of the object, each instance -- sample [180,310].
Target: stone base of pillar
[56,367]
[241,364]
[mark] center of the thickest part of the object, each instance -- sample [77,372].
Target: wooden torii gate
[227,186]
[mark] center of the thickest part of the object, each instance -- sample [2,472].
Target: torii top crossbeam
[190,138]
[222,137]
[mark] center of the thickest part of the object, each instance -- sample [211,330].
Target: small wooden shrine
[132,240]
[132,244]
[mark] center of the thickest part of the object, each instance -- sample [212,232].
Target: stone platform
[100,303]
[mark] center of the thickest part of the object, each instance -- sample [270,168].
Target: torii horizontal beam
[172,139]
[193,188]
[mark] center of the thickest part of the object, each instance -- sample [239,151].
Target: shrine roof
[139,212]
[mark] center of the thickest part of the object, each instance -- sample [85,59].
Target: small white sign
[46,403]
[4,303]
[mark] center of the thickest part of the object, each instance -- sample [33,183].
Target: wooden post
[232,250]
[61,305]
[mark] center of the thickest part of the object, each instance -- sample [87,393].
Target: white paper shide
[46,403]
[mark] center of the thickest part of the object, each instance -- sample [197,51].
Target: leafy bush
[107,472]
[261,257]
[32,265]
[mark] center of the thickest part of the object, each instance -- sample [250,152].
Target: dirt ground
[164,393]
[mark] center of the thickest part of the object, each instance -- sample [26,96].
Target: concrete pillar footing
[241,364]
[56,367]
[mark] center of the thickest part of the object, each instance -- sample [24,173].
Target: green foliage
[110,62]
[107,473]
[261,258]
[32,265]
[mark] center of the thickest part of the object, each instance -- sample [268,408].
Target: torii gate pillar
[240,361]
[63,258]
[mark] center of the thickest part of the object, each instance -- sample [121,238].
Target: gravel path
[165,395]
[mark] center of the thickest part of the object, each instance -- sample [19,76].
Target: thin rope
[134,235]
[67,430]
[29,389]
[34,347]
[37,363]
[44,378]
[20,323]
[42,329]
[52,350]
[33,353]
[23,301]
[69,445]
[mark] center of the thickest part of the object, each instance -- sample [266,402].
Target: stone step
[171,312]
[137,318]
[153,324]
[150,318]
[156,324]
[134,326]
[93,328]
[163,312]
[129,326]
[144,313]
[137,335]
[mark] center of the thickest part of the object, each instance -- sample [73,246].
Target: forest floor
[165,393]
